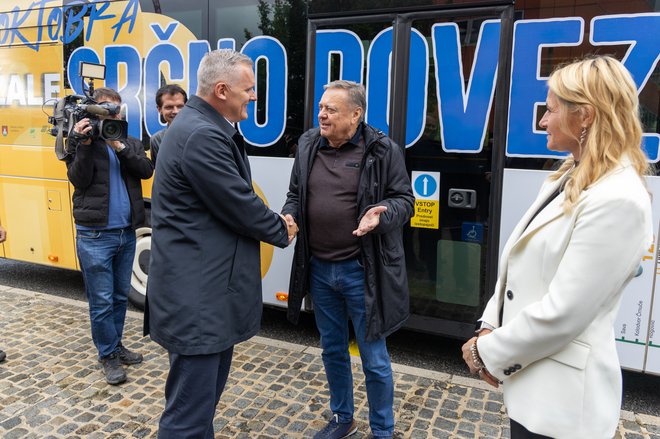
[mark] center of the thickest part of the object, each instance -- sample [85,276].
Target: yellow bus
[458,84]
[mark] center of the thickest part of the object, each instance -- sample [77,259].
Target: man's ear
[220,90]
[357,113]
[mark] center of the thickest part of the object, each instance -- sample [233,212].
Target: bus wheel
[140,267]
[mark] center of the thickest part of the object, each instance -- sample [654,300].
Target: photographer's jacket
[88,170]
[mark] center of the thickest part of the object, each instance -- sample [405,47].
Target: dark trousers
[192,392]
[520,432]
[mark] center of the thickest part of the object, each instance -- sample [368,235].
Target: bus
[459,84]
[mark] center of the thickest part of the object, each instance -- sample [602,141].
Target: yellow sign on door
[426,188]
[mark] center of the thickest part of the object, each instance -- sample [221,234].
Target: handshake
[291,226]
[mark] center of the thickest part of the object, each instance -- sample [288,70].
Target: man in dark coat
[107,207]
[350,194]
[204,289]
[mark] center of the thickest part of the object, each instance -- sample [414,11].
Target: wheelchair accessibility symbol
[472,232]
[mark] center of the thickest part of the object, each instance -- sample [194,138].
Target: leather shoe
[2,356]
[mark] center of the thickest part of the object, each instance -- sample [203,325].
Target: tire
[140,272]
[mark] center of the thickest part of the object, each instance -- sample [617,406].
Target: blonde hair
[603,86]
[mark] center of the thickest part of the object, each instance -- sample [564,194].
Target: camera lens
[113,129]
[110,130]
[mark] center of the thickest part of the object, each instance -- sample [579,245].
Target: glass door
[434,82]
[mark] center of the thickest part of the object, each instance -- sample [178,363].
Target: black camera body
[71,109]
[68,111]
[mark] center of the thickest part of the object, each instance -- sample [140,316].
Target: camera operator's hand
[83,129]
[116,145]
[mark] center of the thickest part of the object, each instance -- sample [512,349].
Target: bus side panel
[632,323]
[275,262]
[41,231]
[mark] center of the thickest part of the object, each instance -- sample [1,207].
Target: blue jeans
[106,261]
[337,290]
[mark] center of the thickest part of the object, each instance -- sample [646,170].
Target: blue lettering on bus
[196,51]
[54,23]
[128,16]
[379,61]
[348,46]
[74,24]
[227,43]
[273,52]
[128,56]
[528,87]
[464,114]
[163,53]
[164,34]
[96,14]
[52,18]
[463,111]
[641,32]
[14,29]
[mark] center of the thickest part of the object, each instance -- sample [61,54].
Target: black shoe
[336,429]
[2,356]
[128,357]
[114,373]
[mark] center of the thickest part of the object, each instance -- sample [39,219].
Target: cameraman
[107,208]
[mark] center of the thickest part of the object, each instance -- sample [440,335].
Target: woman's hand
[467,357]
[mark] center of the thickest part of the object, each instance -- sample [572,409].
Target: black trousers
[192,392]
[520,432]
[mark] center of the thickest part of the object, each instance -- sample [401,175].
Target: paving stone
[54,388]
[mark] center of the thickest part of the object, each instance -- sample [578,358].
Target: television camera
[71,109]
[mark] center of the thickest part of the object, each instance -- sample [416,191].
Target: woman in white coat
[547,332]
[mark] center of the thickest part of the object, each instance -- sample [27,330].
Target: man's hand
[3,234]
[369,221]
[83,129]
[291,226]
[116,145]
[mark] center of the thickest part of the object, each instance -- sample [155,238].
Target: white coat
[560,284]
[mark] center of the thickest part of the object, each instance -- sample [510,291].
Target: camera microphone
[97,110]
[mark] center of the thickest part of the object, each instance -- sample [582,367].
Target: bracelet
[476,359]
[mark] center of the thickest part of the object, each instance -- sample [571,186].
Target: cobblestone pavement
[51,386]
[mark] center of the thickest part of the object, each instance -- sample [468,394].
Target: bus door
[437,83]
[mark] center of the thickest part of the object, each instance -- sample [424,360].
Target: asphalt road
[641,392]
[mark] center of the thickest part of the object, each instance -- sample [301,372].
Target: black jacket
[88,170]
[383,181]
[204,289]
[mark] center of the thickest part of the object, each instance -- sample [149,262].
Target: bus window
[232,23]
[191,13]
